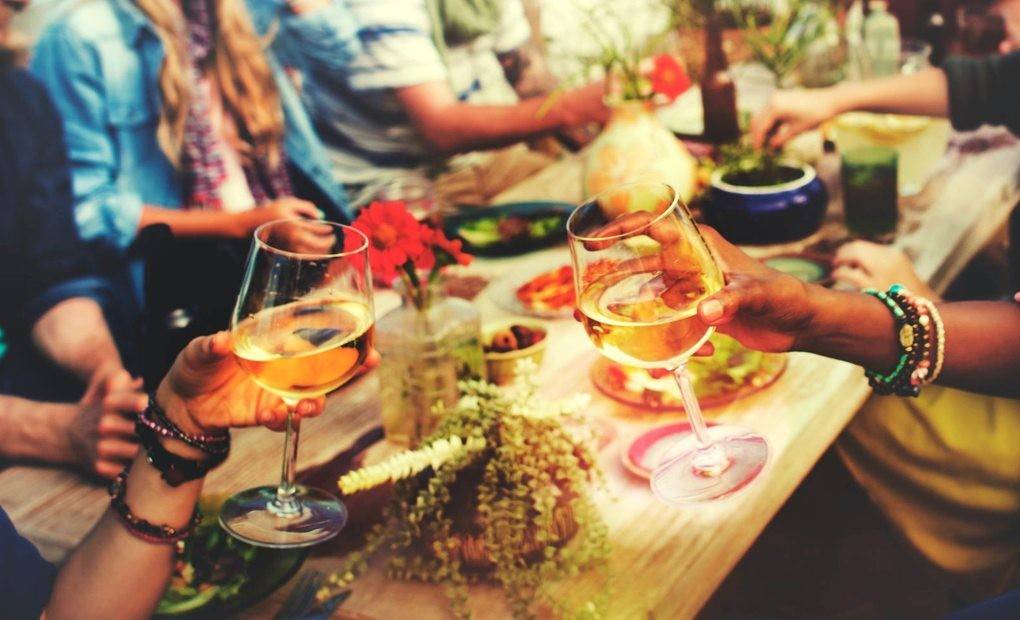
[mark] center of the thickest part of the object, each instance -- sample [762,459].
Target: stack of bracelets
[152,427]
[922,340]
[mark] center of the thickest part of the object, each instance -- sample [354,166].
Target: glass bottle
[428,344]
[882,39]
[718,93]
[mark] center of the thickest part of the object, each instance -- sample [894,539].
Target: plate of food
[733,372]
[543,289]
[510,229]
[216,575]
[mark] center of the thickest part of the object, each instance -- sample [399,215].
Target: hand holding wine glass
[641,269]
[302,327]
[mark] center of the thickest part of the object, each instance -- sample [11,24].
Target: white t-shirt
[358,116]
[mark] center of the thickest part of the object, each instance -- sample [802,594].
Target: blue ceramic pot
[768,214]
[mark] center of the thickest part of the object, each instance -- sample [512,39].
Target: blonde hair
[240,71]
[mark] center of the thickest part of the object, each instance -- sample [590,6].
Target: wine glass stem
[711,460]
[286,502]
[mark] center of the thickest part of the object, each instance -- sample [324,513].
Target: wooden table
[666,561]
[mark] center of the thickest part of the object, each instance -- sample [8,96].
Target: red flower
[450,250]
[668,77]
[395,239]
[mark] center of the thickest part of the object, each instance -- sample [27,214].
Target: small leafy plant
[752,167]
[500,491]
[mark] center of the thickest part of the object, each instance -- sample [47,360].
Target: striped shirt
[369,136]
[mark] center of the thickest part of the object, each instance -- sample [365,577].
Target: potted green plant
[500,492]
[755,197]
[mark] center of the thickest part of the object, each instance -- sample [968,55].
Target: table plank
[666,561]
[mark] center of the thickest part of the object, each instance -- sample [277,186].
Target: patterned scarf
[202,166]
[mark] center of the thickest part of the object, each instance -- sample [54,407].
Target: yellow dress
[945,468]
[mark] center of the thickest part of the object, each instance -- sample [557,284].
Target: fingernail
[711,310]
[322,214]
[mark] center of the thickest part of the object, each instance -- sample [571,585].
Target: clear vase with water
[428,344]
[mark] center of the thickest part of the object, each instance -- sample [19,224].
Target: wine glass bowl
[641,268]
[302,326]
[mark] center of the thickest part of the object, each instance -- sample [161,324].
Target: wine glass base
[681,478]
[250,516]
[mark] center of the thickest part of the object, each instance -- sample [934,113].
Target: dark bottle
[718,93]
[934,30]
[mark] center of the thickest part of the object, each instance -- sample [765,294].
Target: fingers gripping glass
[302,326]
[640,269]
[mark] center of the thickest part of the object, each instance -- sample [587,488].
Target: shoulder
[87,21]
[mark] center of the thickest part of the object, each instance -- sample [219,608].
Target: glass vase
[428,344]
[636,146]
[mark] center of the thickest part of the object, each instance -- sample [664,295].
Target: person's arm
[94,435]
[795,111]
[768,310]
[451,126]
[114,574]
[74,335]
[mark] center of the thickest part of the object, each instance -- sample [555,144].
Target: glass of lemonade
[870,198]
[302,326]
[640,270]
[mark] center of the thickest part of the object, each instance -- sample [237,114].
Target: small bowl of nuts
[507,342]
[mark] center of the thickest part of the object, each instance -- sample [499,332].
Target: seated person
[434,78]
[949,482]
[174,115]
[58,345]
[121,569]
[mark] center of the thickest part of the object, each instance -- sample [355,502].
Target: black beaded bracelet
[156,419]
[907,330]
[174,469]
[140,528]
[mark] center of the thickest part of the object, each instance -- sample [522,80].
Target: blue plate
[460,226]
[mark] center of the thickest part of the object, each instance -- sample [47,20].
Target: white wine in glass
[640,269]
[302,327]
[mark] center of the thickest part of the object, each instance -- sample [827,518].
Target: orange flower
[668,77]
[449,251]
[396,239]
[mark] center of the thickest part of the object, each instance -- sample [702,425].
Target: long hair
[239,69]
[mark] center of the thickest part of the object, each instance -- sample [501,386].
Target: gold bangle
[938,349]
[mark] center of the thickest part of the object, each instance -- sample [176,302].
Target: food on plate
[212,565]
[731,371]
[498,229]
[514,338]
[551,291]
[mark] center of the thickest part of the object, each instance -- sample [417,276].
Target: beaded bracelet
[140,528]
[939,347]
[912,379]
[156,420]
[892,382]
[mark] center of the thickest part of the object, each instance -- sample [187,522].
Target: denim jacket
[101,63]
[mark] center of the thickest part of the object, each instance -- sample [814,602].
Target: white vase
[635,146]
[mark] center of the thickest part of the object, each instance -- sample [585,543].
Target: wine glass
[302,326]
[640,269]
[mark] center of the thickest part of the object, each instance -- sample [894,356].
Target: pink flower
[668,77]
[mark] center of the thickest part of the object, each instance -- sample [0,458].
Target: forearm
[35,431]
[982,351]
[466,127]
[194,223]
[74,334]
[113,574]
[924,93]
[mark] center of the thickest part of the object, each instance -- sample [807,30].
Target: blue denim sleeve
[70,70]
[91,287]
[325,39]
[25,578]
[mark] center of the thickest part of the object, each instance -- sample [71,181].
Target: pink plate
[644,452]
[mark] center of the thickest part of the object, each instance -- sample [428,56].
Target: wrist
[819,326]
[177,411]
